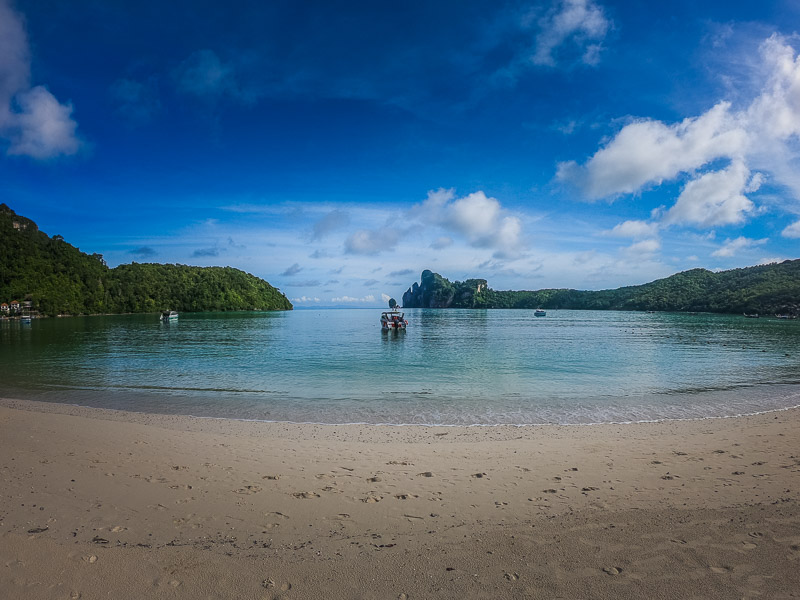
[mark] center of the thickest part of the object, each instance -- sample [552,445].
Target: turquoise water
[451,367]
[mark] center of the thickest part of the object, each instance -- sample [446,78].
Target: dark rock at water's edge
[772,289]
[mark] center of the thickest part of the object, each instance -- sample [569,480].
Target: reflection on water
[448,367]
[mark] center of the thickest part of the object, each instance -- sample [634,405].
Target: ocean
[450,367]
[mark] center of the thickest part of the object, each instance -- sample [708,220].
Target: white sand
[106,504]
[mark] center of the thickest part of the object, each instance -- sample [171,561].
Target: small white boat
[539,313]
[393,320]
[169,315]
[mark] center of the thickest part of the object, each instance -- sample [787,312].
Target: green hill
[60,279]
[764,289]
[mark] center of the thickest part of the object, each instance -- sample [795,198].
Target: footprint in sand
[372,499]
[749,546]
[549,491]
[478,475]
[425,474]
[118,528]
[612,570]
[277,514]
[248,490]
[271,477]
[721,569]
[374,479]
[511,576]
[405,496]
[306,495]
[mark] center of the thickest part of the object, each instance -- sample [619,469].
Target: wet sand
[107,504]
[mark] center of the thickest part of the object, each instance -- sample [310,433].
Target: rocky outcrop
[434,291]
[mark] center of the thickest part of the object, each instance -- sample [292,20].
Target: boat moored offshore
[393,320]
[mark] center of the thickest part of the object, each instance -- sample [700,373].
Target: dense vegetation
[60,279]
[765,289]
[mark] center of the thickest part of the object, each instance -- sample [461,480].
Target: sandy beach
[107,504]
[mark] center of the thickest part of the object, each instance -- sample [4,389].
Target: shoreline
[122,412]
[217,508]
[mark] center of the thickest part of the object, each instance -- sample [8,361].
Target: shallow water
[451,367]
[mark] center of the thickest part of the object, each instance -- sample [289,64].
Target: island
[764,289]
[52,277]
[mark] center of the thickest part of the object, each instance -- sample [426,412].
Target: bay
[450,367]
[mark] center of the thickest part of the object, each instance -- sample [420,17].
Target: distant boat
[393,320]
[752,316]
[169,315]
[539,313]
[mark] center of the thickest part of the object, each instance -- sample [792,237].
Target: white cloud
[478,218]
[648,152]
[305,300]
[634,229]
[731,247]
[714,198]
[32,120]
[578,22]
[762,136]
[792,231]
[644,247]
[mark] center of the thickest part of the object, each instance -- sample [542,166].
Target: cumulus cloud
[731,247]
[714,198]
[32,121]
[634,229]
[293,270]
[579,23]
[648,152]
[305,300]
[478,218]
[757,142]
[645,247]
[792,231]
[334,220]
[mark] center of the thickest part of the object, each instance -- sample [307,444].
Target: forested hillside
[60,279]
[764,289]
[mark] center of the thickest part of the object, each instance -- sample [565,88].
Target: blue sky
[337,149]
